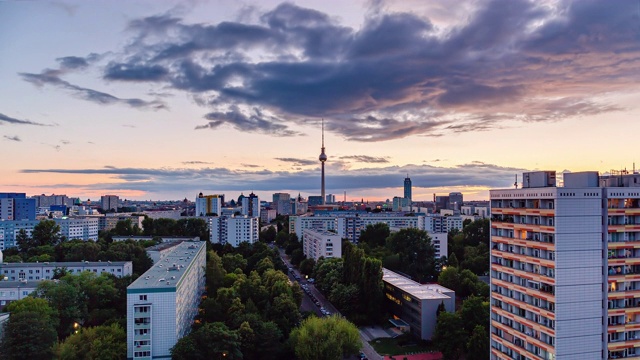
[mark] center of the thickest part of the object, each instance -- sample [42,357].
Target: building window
[143,297]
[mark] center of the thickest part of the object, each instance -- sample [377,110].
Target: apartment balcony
[520,340]
[502,224]
[524,258]
[621,244]
[529,242]
[550,297]
[623,228]
[623,211]
[527,322]
[619,345]
[523,211]
[542,311]
[524,274]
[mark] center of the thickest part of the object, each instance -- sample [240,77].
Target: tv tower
[323,158]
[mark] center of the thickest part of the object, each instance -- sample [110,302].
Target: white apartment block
[15,290]
[163,302]
[208,204]
[45,270]
[233,229]
[440,243]
[78,228]
[297,224]
[565,280]
[251,205]
[319,243]
[267,215]
[437,223]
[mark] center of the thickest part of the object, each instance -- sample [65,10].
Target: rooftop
[19,284]
[163,246]
[166,274]
[64,264]
[415,289]
[321,232]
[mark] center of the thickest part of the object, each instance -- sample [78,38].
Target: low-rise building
[320,243]
[15,290]
[163,302]
[45,270]
[415,303]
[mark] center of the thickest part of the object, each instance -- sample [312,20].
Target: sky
[166,99]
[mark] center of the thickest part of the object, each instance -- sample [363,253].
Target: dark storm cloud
[366,159]
[396,76]
[299,162]
[10,120]
[12,138]
[50,77]
[254,122]
[161,180]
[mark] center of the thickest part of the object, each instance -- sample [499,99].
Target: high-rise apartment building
[109,202]
[564,265]
[233,230]
[16,206]
[208,204]
[251,205]
[163,302]
[320,243]
[282,203]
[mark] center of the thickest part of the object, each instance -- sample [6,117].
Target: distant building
[233,230]
[330,199]
[16,206]
[44,270]
[297,224]
[407,189]
[165,239]
[70,228]
[109,202]
[163,302]
[320,243]
[455,200]
[282,203]
[267,215]
[160,251]
[208,204]
[315,200]
[49,200]
[416,304]
[251,205]
[400,203]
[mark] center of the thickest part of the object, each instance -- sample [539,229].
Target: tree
[211,341]
[268,235]
[32,304]
[67,300]
[325,339]
[375,235]
[478,344]
[452,260]
[28,335]
[46,232]
[100,342]
[24,241]
[306,266]
[450,337]
[474,312]
[450,278]
[417,254]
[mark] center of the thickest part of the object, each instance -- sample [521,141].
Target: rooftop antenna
[516,183]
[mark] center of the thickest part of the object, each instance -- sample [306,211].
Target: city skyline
[167,99]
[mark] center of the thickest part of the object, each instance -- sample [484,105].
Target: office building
[407,189]
[109,202]
[315,200]
[564,265]
[163,302]
[16,206]
[401,203]
[233,230]
[441,202]
[251,206]
[455,201]
[414,303]
[45,270]
[208,205]
[320,243]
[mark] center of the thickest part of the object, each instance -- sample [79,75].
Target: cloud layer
[397,75]
[155,181]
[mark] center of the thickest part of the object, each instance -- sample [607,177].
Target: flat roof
[415,289]
[163,246]
[19,284]
[166,274]
[321,232]
[65,264]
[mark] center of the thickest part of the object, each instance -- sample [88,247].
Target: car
[317,303]
[362,355]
